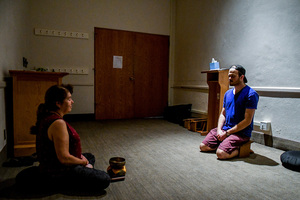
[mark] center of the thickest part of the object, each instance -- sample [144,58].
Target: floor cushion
[291,160]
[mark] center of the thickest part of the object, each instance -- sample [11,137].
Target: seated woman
[58,147]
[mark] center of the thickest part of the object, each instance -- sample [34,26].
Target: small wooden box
[196,124]
[245,149]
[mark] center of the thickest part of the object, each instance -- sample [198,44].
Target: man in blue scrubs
[236,119]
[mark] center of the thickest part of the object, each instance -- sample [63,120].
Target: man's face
[234,78]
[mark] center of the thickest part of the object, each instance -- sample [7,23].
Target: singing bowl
[117,162]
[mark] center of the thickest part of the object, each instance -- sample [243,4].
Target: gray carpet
[163,162]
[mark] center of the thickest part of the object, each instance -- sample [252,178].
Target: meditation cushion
[30,178]
[291,160]
[80,179]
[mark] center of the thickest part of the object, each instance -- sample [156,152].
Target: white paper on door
[118,62]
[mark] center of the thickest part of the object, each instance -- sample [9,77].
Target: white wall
[263,36]
[13,35]
[13,46]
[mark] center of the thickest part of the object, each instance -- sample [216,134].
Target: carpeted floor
[163,161]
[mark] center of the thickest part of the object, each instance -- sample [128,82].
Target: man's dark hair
[241,71]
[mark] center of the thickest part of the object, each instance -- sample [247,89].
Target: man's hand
[221,135]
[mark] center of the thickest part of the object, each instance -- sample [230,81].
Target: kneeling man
[236,119]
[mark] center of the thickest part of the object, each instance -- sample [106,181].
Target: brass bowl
[117,162]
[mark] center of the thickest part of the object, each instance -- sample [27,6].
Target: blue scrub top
[236,105]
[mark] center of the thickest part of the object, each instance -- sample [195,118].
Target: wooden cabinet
[218,84]
[29,89]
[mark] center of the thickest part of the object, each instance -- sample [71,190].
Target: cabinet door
[28,95]
[29,89]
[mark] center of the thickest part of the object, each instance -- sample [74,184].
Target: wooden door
[151,74]
[113,86]
[140,87]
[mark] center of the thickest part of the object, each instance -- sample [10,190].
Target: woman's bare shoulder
[57,128]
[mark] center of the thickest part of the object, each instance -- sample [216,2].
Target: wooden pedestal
[29,88]
[218,84]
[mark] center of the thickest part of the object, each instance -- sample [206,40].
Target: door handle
[132,78]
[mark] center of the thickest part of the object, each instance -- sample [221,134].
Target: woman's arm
[58,133]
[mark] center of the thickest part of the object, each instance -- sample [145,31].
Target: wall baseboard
[3,154]
[79,117]
[275,142]
[265,139]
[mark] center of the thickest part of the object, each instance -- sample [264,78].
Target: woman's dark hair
[56,93]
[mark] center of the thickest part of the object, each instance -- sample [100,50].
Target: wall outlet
[265,126]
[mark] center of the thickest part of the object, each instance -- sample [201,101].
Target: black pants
[77,178]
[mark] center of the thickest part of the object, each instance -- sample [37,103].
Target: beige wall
[13,46]
[18,18]
[83,16]
[13,35]
[261,35]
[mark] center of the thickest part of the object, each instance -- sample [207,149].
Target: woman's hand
[89,166]
[84,159]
